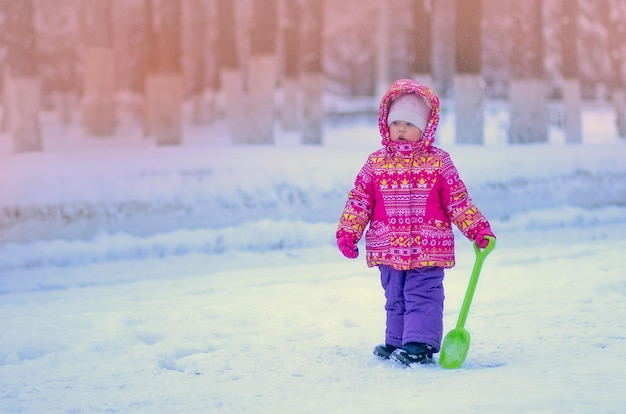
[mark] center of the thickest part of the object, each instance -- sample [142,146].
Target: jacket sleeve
[359,207]
[457,203]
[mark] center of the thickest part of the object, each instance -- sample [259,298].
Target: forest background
[263,64]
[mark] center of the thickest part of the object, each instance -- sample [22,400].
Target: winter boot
[413,353]
[383,351]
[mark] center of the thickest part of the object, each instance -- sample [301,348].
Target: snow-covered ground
[205,278]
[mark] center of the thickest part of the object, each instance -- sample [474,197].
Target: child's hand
[348,247]
[481,241]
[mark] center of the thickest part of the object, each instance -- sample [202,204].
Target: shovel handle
[478,264]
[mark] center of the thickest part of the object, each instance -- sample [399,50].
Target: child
[410,192]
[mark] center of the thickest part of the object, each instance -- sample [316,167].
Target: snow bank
[150,202]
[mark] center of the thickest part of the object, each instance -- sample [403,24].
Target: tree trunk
[444,17]
[23,96]
[21,88]
[164,92]
[212,62]
[616,30]
[261,90]
[98,114]
[382,48]
[200,47]
[572,107]
[99,89]
[5,125]
[235,104]
[149,65]
[231,77]
[571,82]
[421,42]
[263,71]
[123,18]
[164,87]
[290,105]
[312,78]
[528,109]
[618,98]
[468,81]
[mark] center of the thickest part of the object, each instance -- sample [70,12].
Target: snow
[204,278]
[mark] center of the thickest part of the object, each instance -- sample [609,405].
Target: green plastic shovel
[457,341]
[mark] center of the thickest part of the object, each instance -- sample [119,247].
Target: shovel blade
[454,348]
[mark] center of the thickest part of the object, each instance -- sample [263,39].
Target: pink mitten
[481,241]
[347,247]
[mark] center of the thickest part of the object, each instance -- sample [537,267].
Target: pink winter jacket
[410,194]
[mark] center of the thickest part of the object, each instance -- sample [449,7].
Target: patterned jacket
[410,194]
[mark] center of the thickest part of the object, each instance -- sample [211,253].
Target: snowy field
[205,278]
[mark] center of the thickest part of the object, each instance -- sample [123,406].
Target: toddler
[410,193]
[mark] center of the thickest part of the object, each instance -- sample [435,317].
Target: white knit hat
[409,108]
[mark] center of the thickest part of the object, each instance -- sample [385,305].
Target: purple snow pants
[414,305]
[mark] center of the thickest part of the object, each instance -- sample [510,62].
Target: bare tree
[58,26]
[496,45]
[444,17]
[123,18]
[312,76]
[420,43]
[290,107]
[164,87]
[527,97]
[615,17]
[263,71]
[21,85]
[197,47]
[212,62]
[98,106]
[149,64]
[468,81]
[570,71]
[382,48]
[231,76]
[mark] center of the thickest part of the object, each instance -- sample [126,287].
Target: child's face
[401,131]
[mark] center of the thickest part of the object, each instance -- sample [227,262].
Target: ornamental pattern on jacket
[410,194]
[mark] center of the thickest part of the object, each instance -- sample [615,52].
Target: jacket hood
[401,87]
